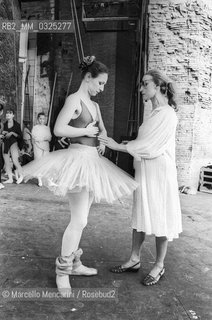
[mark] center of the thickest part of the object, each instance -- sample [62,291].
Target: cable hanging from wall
[77,33]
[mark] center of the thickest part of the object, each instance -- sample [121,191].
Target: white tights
[79,203]
[14,151]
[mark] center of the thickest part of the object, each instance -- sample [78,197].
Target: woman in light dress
[156,207]
[80,172]
[41,136]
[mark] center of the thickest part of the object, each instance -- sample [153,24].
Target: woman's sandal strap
[120,269]
[150,280]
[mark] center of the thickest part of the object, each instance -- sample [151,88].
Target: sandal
[120,269]
[150,280]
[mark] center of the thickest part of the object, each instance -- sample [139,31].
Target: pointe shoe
[64,265]
[9,181]
[63,285]
[78,268]
[83,271]
[63,268]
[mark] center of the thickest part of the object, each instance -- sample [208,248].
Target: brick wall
[180,42]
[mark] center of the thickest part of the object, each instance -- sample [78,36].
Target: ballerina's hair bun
[90,65]
[86,62]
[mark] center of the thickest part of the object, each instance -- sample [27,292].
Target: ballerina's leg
[79,204]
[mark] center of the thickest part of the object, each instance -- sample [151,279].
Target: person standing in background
[41,136]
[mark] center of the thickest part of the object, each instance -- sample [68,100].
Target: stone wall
[39,49]
[9,45]
[180,42]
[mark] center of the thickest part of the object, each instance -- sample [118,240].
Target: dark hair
[26,123]
[1,107]
[40,114]
[167,86]
[10,110]
[90,64]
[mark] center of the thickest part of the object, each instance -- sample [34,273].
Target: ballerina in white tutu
[80,172]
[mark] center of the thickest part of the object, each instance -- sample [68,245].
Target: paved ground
[32,223]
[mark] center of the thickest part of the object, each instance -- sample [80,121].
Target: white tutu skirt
[77,167]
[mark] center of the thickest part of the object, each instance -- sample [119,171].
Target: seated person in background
[12,143]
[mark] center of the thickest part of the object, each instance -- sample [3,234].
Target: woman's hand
[109,142]
[63,141]
[101,149]
[91,130]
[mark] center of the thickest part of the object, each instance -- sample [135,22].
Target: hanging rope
[77,34]
[72,13]
[78,29]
